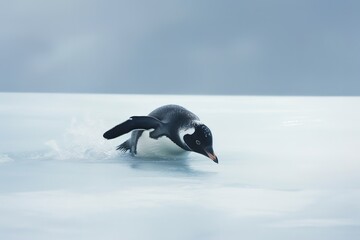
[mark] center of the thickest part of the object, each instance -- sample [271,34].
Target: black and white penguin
[170,130]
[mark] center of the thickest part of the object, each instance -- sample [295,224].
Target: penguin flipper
[136,122]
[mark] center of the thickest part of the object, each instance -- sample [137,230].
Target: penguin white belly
[161,147]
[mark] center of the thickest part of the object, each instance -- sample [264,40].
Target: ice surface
[288,169]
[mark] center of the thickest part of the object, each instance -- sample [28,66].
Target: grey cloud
[207,47]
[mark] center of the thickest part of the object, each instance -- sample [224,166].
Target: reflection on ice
[288,170]
[163,166]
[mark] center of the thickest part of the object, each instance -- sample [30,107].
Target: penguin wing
[136,122]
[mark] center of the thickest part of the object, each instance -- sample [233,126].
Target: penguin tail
[125,146]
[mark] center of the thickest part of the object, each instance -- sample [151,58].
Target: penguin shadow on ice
[180,166]
[164,138]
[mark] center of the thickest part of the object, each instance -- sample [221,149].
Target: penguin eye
[198,142]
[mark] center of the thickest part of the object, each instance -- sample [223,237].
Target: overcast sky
[270,47]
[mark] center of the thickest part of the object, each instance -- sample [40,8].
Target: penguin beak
[210,154]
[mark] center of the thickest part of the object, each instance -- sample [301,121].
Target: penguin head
[201,141]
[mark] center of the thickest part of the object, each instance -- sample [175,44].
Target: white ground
[289,168]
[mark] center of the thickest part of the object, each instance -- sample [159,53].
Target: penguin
[170,130]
